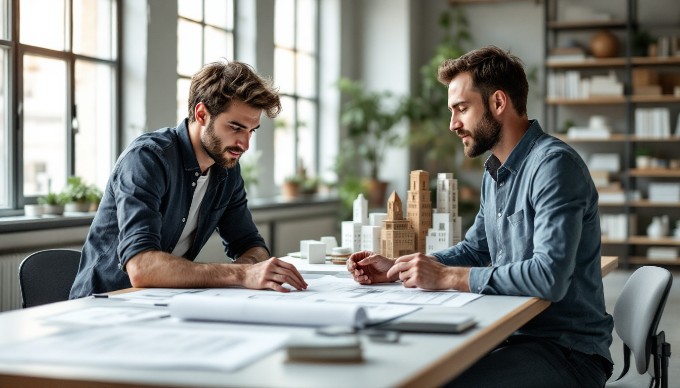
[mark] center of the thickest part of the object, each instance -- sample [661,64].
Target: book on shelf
[566,54]
[653,122]
[664,192]
[588,133]
[605,162]
[662,253]
[617,226]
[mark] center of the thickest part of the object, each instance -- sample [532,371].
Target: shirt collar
[518,154]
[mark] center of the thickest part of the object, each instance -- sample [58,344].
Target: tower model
[397,237]
[447,225]
[419,206]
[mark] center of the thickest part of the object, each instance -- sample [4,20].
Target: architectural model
[423,230]
[419,206]
[446,230]
[397,237]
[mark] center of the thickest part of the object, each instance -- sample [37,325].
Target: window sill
[13,224]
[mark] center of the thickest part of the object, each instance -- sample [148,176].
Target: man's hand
[418,270]
[272,274]
[370,268]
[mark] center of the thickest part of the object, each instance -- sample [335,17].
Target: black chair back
[47,276]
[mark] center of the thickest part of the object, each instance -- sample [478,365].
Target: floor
[670,323]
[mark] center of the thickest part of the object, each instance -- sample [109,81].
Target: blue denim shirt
[145,205]
[537,233]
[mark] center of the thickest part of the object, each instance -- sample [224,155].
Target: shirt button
[499,215]
[184,220]
[193,184]
[502,183]
[196,174]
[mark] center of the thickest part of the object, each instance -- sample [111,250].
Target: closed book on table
[431,320]
[343,348]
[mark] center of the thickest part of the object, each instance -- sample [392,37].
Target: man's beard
[485,135]
[212,145]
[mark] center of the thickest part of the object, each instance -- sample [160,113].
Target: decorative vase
[604,44]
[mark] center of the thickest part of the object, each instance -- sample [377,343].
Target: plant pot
[375,193]
[290,189]
[53,210]
[78,207]
[33,210]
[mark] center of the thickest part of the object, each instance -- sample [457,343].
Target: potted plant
[77,195]
[94,197]
[370,119]
[291,186]
[427,110]
[53,203]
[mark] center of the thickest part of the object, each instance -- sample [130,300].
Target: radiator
[10,293]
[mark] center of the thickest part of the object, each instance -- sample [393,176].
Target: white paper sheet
[101,316]
[148,347]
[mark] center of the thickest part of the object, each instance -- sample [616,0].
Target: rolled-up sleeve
[138,193]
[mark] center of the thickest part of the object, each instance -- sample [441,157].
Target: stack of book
[616,226]
[664,192]
[653,122]
[566,54]
[662,253]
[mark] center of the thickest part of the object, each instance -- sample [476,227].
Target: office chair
[47,276]
[636,318]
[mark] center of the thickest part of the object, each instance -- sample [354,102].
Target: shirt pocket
[518,239]
[517,224]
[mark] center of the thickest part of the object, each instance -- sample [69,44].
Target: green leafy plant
[53,199]
[427,110]
[370,119]
[76,190]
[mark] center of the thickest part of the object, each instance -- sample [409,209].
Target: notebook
[431,320]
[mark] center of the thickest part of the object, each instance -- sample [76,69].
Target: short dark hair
[217,84]
[491,69]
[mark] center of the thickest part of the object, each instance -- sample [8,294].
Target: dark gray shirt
[145,206]
[537,233]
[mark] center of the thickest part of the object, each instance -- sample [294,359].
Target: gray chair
[47,276]
[636,319]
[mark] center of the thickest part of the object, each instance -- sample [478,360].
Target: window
[205,33]
[64,79]
[295,73]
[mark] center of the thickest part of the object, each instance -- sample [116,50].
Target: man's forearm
[161,269]
[252,256]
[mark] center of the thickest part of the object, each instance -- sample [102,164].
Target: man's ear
[498,102]
[201,114]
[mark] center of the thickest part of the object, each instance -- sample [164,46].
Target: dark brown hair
[217,84]
[491,69]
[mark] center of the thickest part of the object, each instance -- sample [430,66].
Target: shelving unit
[620,110]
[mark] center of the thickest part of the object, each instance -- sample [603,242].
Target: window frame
[15,77]
[314,170]
[202,23]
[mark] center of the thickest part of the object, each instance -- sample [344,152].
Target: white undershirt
[187,237]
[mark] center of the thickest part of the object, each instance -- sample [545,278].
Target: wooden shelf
[655,172]
[646,139]
[617,137]
[613,138]
[644,240]
[609,241]
[591,62]
[655,61]
[587,101]
[642,260]
[647,203]
[584,24]
[664,98]
[587,63]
